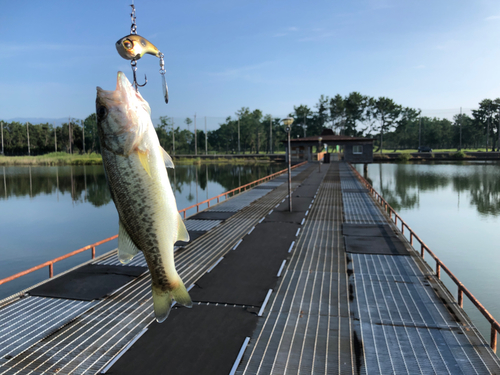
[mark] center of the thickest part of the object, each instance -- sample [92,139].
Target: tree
[386,112]
[486,118]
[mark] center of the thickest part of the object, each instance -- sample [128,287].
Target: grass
[410,151]
[54,158]
[234,161]
[62,158]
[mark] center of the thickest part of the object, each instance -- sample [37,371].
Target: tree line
[392,125]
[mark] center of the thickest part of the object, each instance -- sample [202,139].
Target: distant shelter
[349,149]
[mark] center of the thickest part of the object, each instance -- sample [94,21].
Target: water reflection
[88,183]
[46,212]
[401,184]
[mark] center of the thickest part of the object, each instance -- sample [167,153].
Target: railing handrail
[462,289]
[233,191]
[50,263]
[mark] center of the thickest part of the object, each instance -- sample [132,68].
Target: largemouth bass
[135,163]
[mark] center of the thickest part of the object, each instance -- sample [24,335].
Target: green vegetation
[390,125]
[404,157]
[54,158]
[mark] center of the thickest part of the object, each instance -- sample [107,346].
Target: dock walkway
[332,287]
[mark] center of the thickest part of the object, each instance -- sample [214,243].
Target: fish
[135,168]
[133,47]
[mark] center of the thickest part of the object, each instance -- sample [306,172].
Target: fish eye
[101,112]
[127,44]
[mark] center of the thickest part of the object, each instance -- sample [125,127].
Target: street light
[319,148]
[288,122]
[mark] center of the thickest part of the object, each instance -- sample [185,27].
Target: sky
[220,56]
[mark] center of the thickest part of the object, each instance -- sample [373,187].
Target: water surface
[46,212]
[455,209]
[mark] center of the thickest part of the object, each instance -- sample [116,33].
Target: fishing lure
[133,47]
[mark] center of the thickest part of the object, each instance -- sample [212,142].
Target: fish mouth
[123,92]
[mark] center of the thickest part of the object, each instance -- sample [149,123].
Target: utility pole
[83,135]
[239,150]
[1,126]
[420,132]
[460,145]
[206,137]
[28,133]
[173,138]
[271,134]
[195,137]
[55,137]
[70,135]
[498,149]
[305,125]
[488,128]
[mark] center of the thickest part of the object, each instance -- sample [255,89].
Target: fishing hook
[133,63]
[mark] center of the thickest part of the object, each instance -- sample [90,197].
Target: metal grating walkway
[338,313]
[306,326]
[86,343]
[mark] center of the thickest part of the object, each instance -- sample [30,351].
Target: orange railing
[495,326]
[50,263]
[233,192]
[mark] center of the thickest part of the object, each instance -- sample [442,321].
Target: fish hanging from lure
[132,47]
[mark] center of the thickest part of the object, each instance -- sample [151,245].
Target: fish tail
[162,301]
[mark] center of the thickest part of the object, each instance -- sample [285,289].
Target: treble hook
[133,63]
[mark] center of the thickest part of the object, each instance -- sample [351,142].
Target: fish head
[133,47]
[123,117]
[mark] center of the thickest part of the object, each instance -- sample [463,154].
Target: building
[350,149]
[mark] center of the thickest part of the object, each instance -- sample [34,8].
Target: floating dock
[330,288]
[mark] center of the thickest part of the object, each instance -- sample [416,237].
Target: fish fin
[181,295]
[143,157]
[126,248]
[166,157]
[162,303]
[182,233]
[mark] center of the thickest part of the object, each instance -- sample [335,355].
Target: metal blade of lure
[163,79]
[165,88]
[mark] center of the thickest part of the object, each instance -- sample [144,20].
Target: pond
[46,212]
[455,209]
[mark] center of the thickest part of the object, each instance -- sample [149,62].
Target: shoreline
[61,158]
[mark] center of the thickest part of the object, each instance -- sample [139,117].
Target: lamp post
[288,122]
[319,148]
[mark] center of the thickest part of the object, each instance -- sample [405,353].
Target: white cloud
[492,18]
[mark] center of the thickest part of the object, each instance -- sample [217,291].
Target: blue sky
[271,55]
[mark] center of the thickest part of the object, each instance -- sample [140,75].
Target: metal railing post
[460,297]
[493,342]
